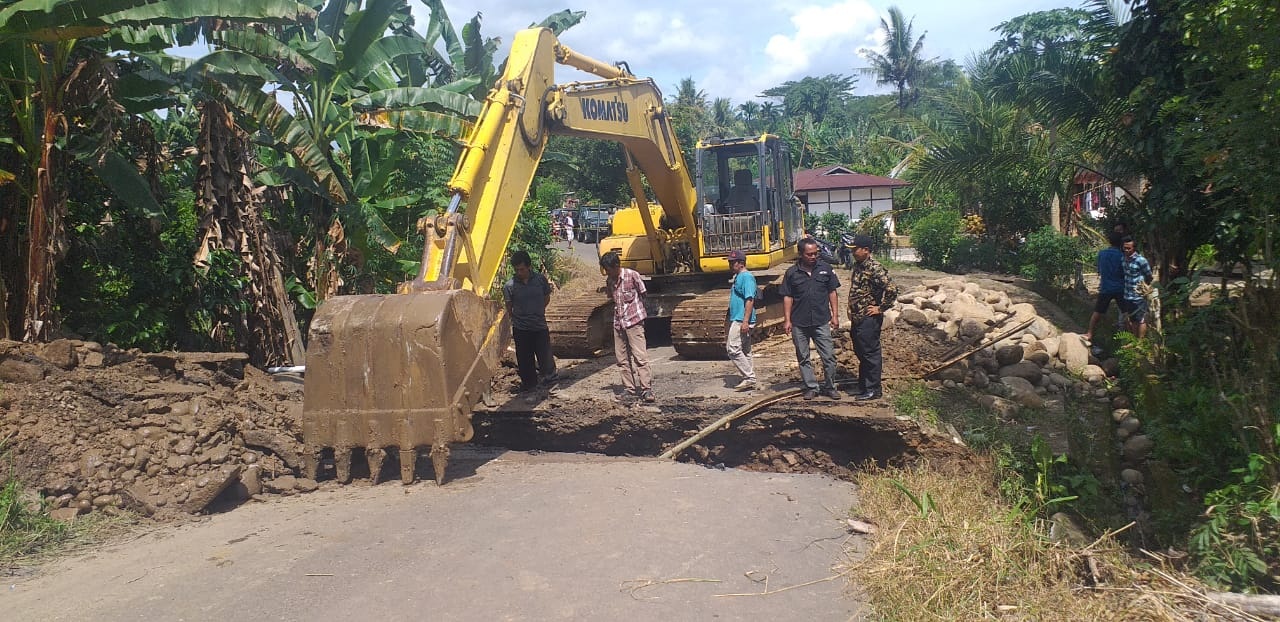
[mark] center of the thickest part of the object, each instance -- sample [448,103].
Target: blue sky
[737,49]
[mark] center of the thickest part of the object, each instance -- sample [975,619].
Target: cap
[861,241]
[736,256]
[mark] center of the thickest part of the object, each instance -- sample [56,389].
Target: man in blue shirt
[1111,286]
[741,318]
[1137,278]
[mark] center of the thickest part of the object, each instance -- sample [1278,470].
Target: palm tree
[722,118]
[749,114]
[899,61]
[688,94]
[770,112]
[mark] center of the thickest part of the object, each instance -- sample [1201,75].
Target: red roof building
[838,189]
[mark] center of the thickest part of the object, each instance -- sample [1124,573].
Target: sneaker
[745,385]
[810,394]
[831,392]
[624,398]
[867,396]
[550,379]
[648,397]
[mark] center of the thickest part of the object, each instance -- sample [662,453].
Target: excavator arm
[502,152]
[404,371]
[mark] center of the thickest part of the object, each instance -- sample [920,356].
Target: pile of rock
[97,428]
[1028,368]
[1021,369]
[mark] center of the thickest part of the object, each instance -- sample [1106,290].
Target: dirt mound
[97,428]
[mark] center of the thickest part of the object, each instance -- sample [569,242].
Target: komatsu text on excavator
[404,371]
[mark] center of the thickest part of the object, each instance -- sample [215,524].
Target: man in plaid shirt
[1137,280]
[626,288]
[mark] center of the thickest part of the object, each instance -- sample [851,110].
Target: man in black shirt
[809,303]
[527,295]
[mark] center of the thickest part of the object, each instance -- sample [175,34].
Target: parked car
[593,222]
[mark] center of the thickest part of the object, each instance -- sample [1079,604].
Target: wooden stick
[1261,604]
[960,347]
[671,454]
[979,347]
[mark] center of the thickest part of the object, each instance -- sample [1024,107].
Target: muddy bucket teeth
[402,371]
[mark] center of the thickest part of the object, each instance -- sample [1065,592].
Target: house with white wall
[838,189]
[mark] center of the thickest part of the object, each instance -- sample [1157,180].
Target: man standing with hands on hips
[809,305]
[742,316]
[871,292]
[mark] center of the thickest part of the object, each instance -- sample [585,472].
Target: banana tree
[338,97]
[59,88]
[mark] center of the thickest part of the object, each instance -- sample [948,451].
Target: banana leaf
[414,97]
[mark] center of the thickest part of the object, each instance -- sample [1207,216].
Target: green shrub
[875,228]
[973,253]
[1204,393]
[1050,258]
[936,236]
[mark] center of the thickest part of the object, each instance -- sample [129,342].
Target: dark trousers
[530,345]
[866,345]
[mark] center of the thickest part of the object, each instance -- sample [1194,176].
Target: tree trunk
[46,241]
[231,220]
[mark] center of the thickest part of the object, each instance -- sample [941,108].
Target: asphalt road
[516,537]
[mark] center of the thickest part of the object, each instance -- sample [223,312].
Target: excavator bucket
[397,371]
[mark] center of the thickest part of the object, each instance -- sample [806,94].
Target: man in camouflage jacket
[871,292]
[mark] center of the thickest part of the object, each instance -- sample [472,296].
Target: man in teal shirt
[741,317]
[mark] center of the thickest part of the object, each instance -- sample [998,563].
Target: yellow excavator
[404,370]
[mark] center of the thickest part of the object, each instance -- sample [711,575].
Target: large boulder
[1026,370]
[1041,328]
[1093,374]
[977,311]
[1024,311]
[978,379]
[17,371]
[970,328]
[1072,352]
[1022,392]
[890,316]
[1050,345]
[998,405]
[1008,355]
[953,373]
[60,352]
[917,317]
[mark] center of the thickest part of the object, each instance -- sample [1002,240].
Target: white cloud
[820,33]
[737,49]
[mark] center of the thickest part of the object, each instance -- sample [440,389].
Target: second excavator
[403,371]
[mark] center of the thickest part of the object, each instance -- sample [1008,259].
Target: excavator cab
[744,185]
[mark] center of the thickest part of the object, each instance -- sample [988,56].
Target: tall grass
[24,526]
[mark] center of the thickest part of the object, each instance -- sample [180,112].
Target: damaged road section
[832,438]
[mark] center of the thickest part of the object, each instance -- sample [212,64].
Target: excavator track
[698,324]
[581,325]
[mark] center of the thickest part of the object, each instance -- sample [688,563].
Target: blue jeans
[821,336]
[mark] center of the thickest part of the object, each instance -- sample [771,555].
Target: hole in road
[835,439]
